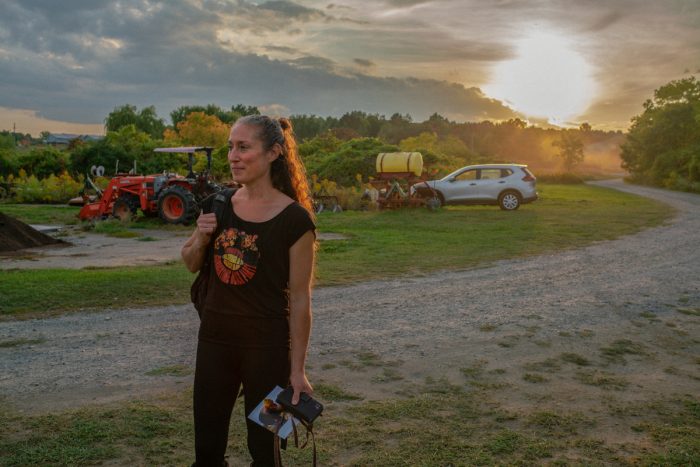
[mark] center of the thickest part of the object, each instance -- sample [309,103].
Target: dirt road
[641,290]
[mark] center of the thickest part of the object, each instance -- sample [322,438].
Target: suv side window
[467,175]
[506,172]
[490,174]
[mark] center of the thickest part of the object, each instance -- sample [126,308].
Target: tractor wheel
[176,205]
[124,208]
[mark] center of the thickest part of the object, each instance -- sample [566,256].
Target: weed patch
[689,311]
[558,425]
[172,370]
[387,375]
[328,392]
[534,378]
[575,358]
[22,341]
[616,351]
[550,365]
[601,380]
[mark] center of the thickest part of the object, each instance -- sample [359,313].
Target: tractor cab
[190,151]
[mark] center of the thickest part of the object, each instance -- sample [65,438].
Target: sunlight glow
[547,79]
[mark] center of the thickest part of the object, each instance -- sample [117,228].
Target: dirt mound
[16,235]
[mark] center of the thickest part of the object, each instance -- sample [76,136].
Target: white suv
[507,185]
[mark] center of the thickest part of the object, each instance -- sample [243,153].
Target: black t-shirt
[247,302]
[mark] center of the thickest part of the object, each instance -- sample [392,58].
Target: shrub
[43,161]
[52,189]
[349,198]
[8,162]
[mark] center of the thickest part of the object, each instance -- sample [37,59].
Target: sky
[64,65]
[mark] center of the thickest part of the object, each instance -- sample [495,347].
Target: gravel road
[430,325]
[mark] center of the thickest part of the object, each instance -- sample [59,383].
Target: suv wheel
[509,201]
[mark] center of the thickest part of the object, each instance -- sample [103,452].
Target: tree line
[663,143]
[341,149]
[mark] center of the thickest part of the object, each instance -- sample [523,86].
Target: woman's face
[248,159]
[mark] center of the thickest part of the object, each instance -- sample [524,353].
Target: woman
[257,318]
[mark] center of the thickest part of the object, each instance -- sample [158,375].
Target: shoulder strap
[221,200]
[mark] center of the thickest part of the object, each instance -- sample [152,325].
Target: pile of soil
[16,235]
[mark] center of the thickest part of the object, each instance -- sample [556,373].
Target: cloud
[604,21]
[282,49]
[76,60]
[291,9]
[275,110]
[364,63]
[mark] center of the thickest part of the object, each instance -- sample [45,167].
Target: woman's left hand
[300,384]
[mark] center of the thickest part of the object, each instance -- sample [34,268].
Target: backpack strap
[221,201]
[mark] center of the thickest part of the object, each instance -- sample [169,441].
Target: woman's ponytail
[295,167]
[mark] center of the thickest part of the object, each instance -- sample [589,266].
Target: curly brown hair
[287,171]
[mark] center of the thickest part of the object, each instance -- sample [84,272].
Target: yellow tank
[400,162]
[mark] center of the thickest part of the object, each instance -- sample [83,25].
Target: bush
[357,156]
[349,198]
[8,162]
[52,189]
[43,161]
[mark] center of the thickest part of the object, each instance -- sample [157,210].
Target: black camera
[308,408]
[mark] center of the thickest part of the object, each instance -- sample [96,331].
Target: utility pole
[14,132]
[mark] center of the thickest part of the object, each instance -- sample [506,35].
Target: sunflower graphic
[235,256]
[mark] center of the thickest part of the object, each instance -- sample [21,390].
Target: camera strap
[309,431]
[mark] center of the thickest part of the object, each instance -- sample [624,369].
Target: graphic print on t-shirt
[235,256]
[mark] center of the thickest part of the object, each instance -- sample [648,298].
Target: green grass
[452,426]
[37,292]
[381,244]
[42,213]
[115,228]
[331,393]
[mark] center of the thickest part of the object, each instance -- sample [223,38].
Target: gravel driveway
[426,326]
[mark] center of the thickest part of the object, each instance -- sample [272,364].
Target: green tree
[663,143]
[43,161]
[226,116]
[310,126]
[353,157]
[199,129]
[570,149]
[8,162]
[146,120]
[397,128]
[7,140]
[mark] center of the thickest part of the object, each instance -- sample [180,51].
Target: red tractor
[174,198]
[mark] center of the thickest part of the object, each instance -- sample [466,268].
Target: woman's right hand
[206,224]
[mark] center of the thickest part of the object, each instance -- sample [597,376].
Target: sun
[548,79]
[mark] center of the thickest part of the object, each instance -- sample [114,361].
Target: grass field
[580,397]
[441,424]
[42,213]
[379,244]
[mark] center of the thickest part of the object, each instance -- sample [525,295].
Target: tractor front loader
[175,198]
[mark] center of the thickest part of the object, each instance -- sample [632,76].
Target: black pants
[219,373]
